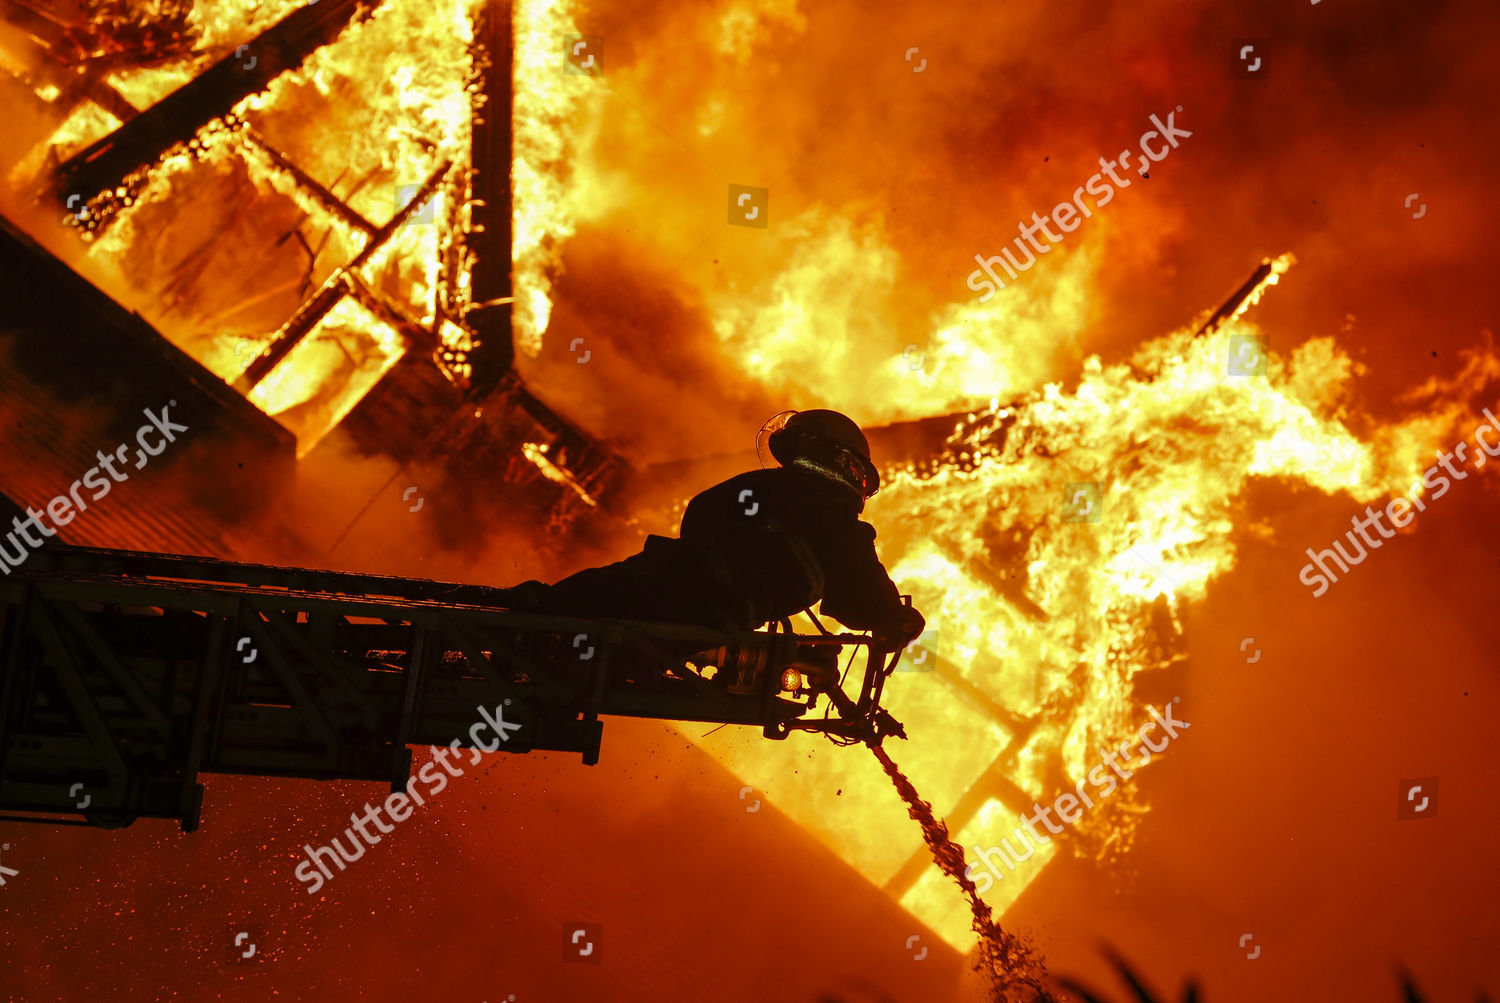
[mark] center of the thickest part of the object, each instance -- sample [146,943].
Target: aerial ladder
[125,675]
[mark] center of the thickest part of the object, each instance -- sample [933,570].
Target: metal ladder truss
[124,675]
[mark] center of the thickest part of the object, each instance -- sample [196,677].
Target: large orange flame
[1052,620]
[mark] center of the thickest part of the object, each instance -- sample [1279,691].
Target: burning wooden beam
[174,119]
[1247,295]
[595,469]
[330,202]
[416,337]
[489,236]
[925,441]
[337,286]
[54,68]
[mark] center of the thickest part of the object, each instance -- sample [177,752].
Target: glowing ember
[537,454]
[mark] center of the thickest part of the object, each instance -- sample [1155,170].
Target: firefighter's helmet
[824,441]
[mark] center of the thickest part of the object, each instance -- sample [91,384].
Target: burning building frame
[317,243]
[335,227]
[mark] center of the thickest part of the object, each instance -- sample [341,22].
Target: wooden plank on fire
[417,338]
[337,286]
[596,469]
[178,116]
[489,234]
[1236,299]
[328,200]
[52,63]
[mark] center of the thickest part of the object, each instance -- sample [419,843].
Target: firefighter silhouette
[758,547]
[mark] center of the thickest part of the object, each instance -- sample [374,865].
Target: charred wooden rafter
[924,441]
[1236,299]
[52,66]
[593,467]
[416,337]
[335,288]
[489,237]
[330,202]
[177,117]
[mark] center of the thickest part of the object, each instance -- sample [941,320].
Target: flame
[368,117]
[1053,619]
[545,134]
[221,25]
[83,125]
[144,86]
[328,373]
[1446,411]
[828,327]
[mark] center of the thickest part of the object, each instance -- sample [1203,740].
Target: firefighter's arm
[858,591]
